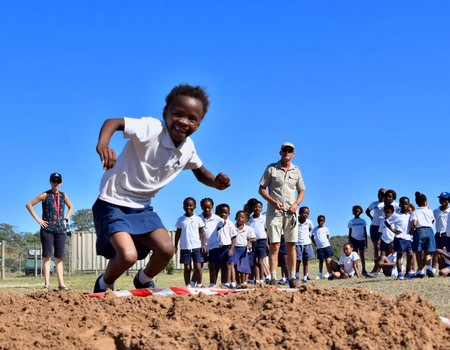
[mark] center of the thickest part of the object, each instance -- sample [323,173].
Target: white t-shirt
[347,261]
[321,235]
[393,259]
[424,217]
[386,234]
[304,236]
[357,226]
[190,231]
[211,226]
[244,235]
[258,225]
[441,219]
[375,206]
[402,224]
[148,162]
[226,233]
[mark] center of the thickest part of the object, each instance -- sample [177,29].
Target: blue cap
[445,195]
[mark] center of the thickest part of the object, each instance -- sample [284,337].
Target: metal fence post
[3,258]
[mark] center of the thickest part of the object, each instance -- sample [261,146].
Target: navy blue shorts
[357,244]
[50,240]
[223,255]
[188,255]
[440,239]
[375,236]
[324,253]
[110,218]
[283,245]
[424,240]
[304,252]
[402,245]
[447,244]
[260,248]
[214,256]
[384,247]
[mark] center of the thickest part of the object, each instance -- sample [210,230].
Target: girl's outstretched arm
[108,155]
[221,181]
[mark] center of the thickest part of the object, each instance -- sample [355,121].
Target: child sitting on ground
[348,264]
[388,264]
[190,229]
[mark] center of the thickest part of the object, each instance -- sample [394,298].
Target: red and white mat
[164,292]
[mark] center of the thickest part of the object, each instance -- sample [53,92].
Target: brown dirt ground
[313,317]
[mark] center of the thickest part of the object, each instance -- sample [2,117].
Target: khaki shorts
[282,223]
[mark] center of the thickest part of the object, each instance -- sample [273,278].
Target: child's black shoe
[97,288]
[140,285]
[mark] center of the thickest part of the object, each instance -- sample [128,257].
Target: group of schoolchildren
[238,250]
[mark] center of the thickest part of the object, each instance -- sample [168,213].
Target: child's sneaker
[140,285]
[430,273]
[97,288]
[400,276]
[293,283]
[326,275]
[372,274]
[317,278]
[410,275]
[420,274]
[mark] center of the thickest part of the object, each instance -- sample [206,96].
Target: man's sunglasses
[56,181]
[287,150]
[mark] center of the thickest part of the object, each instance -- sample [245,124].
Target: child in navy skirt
[127,227]
[245,237]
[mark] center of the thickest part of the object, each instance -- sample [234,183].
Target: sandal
[46,288]
[64,288]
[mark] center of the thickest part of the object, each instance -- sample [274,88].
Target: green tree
[82,220]
[8,233]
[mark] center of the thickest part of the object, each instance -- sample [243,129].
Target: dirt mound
[312,317]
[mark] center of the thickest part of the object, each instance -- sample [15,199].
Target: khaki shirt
[282,184]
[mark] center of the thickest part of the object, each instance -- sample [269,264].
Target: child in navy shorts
[227,242]
[257,222]
[377,207]
[127,228]
[422,220]
[212,223]
[357,235]
[191,235]
[303,246]
[320,236]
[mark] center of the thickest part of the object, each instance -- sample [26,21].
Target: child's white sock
[225,284]
[143,278]
[233,285]
[434,271]
[305,278]
[273,275]
[103,285]
[199,285]
[283,279]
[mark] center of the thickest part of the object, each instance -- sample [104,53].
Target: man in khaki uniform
[282,179]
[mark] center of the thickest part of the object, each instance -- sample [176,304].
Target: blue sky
[361,89]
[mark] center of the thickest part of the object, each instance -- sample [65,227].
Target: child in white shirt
[320,236]
[191,235]
[227,242]
[348,264]
[422,220]
[357,234]
[212,222]
[245,237]
[304,244]
[441,215]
